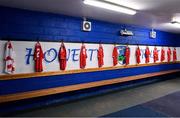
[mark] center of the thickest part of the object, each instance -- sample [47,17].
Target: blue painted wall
[36,83]
[28,25]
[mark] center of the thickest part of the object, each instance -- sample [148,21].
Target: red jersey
[174,55]
[169,54]
[62,56]
[38,57]
[155,55]
[162,55]
[138,55]
[147,55]
[127,55]
[100,56]
[9,58]
[115,56]
[83,57]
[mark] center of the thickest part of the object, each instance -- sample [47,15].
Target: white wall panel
[21,50]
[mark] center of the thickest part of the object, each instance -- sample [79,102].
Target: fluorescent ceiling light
[127,3]
[109,6]
[176,24]
[175,20]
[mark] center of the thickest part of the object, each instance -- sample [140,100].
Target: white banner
[25,64]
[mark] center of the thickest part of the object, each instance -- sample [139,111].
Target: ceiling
[155,14]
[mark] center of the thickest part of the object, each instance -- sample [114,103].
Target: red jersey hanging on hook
[162,54]
[155,55]
[83,56]
[115,56]
[100,56]
[9,58]
[147,54]
[62,56]
[138,55]
[38,57]
[169,54]
[174,55]
[127,55]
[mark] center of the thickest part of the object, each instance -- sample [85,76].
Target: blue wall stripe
[29,25]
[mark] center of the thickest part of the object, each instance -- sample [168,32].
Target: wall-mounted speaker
[153,34]
[86,26]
